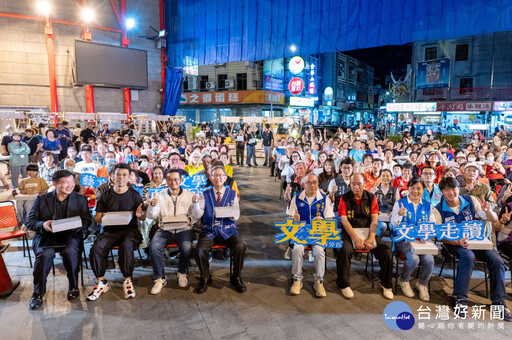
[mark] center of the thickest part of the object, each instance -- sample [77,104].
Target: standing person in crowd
[61,203]
[250,138]
[87,133]
[48,168]
[7,139]
[18,159]
[167,206]
[33,143]
[118,198]
[64,137]
[307,207]
[268,144]
[359,209]
[219,230]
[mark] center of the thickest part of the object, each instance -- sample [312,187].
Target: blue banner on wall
[433,74]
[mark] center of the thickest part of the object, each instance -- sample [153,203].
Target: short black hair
[121,166]
[407,165]
[170,171]
[61,174]
[448,183]
[32,167]
[415,180]
[427,167]
[347,161]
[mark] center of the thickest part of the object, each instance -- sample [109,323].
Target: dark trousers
[344,260]
[44,260]
[127,240]
[272,168]
[239,156]
[506,248]
[234,243]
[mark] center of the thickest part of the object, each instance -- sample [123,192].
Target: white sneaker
[296,287]
[406,288]
[100,288]
[347,293]
[319,288]
[129,291]
[182,280]
[157,287]
[311,257]
[423,292]
[288,254]
[387,292]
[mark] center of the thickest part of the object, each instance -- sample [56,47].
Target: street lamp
[87,15]
[130,23]
[44,8]
[293,48]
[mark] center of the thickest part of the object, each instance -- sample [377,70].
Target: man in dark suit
[61,203]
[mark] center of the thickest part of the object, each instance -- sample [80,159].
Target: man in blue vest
[310,205]
[457,209]
[219,230]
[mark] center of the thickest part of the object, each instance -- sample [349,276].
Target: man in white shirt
[219,230]
[87,166]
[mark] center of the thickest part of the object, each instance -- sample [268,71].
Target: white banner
[12,115]
[112,116]
[252,120]
[79,116]
[280,120]
[230,119]
[41,117]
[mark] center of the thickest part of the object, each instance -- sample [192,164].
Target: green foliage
[454,140]
[395,138]
[195,129]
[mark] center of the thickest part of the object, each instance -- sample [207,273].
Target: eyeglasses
[311,183]
[428,173]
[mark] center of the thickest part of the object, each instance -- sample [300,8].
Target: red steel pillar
[89,90]
[50,49]
[125,43]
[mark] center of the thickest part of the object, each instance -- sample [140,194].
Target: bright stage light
[87,15]
[44,8]
[130,23]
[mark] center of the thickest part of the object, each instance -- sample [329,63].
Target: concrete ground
[266,310]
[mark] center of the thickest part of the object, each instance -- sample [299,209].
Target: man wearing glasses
[310,205]
[432,193]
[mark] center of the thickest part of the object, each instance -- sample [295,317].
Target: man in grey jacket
[177,210]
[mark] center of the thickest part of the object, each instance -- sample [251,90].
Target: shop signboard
[273,74]
[464,106]
[296,85]
[433,74]
[296,65]
[411,107]
[232,97]
[502,106]
[302,101]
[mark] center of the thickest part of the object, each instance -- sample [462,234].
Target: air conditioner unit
[210,85]
[229,83]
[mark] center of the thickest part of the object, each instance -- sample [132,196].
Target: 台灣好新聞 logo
[398,315]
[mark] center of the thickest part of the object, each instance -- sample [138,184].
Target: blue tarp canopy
[215,31]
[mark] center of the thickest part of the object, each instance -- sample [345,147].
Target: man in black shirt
[126,130]
[61,203]
[32,142]
[119,198]
[268,142]
[87,133]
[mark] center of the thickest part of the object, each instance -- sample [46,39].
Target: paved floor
[266,310]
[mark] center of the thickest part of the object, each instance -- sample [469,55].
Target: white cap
[473,164]
[461,154]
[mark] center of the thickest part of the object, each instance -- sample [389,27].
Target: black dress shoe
[35,302]
[73,294]
[238,284]
[203,284]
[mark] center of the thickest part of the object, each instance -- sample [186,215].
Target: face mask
[69,168]
[71,130]
[111,148]
[109,161]
[10,133]
[408,151]
[144,164]
[471,159]
[491,159]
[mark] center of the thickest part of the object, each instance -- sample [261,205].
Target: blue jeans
[251,153]
[268,154]
[467,264]
[158,243]
[413,261]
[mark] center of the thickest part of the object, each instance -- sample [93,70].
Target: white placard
[66,224]
[427,248]
[252,141]
[117,218]
[363,234]
[239,138]
[485,244]
[225,212]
